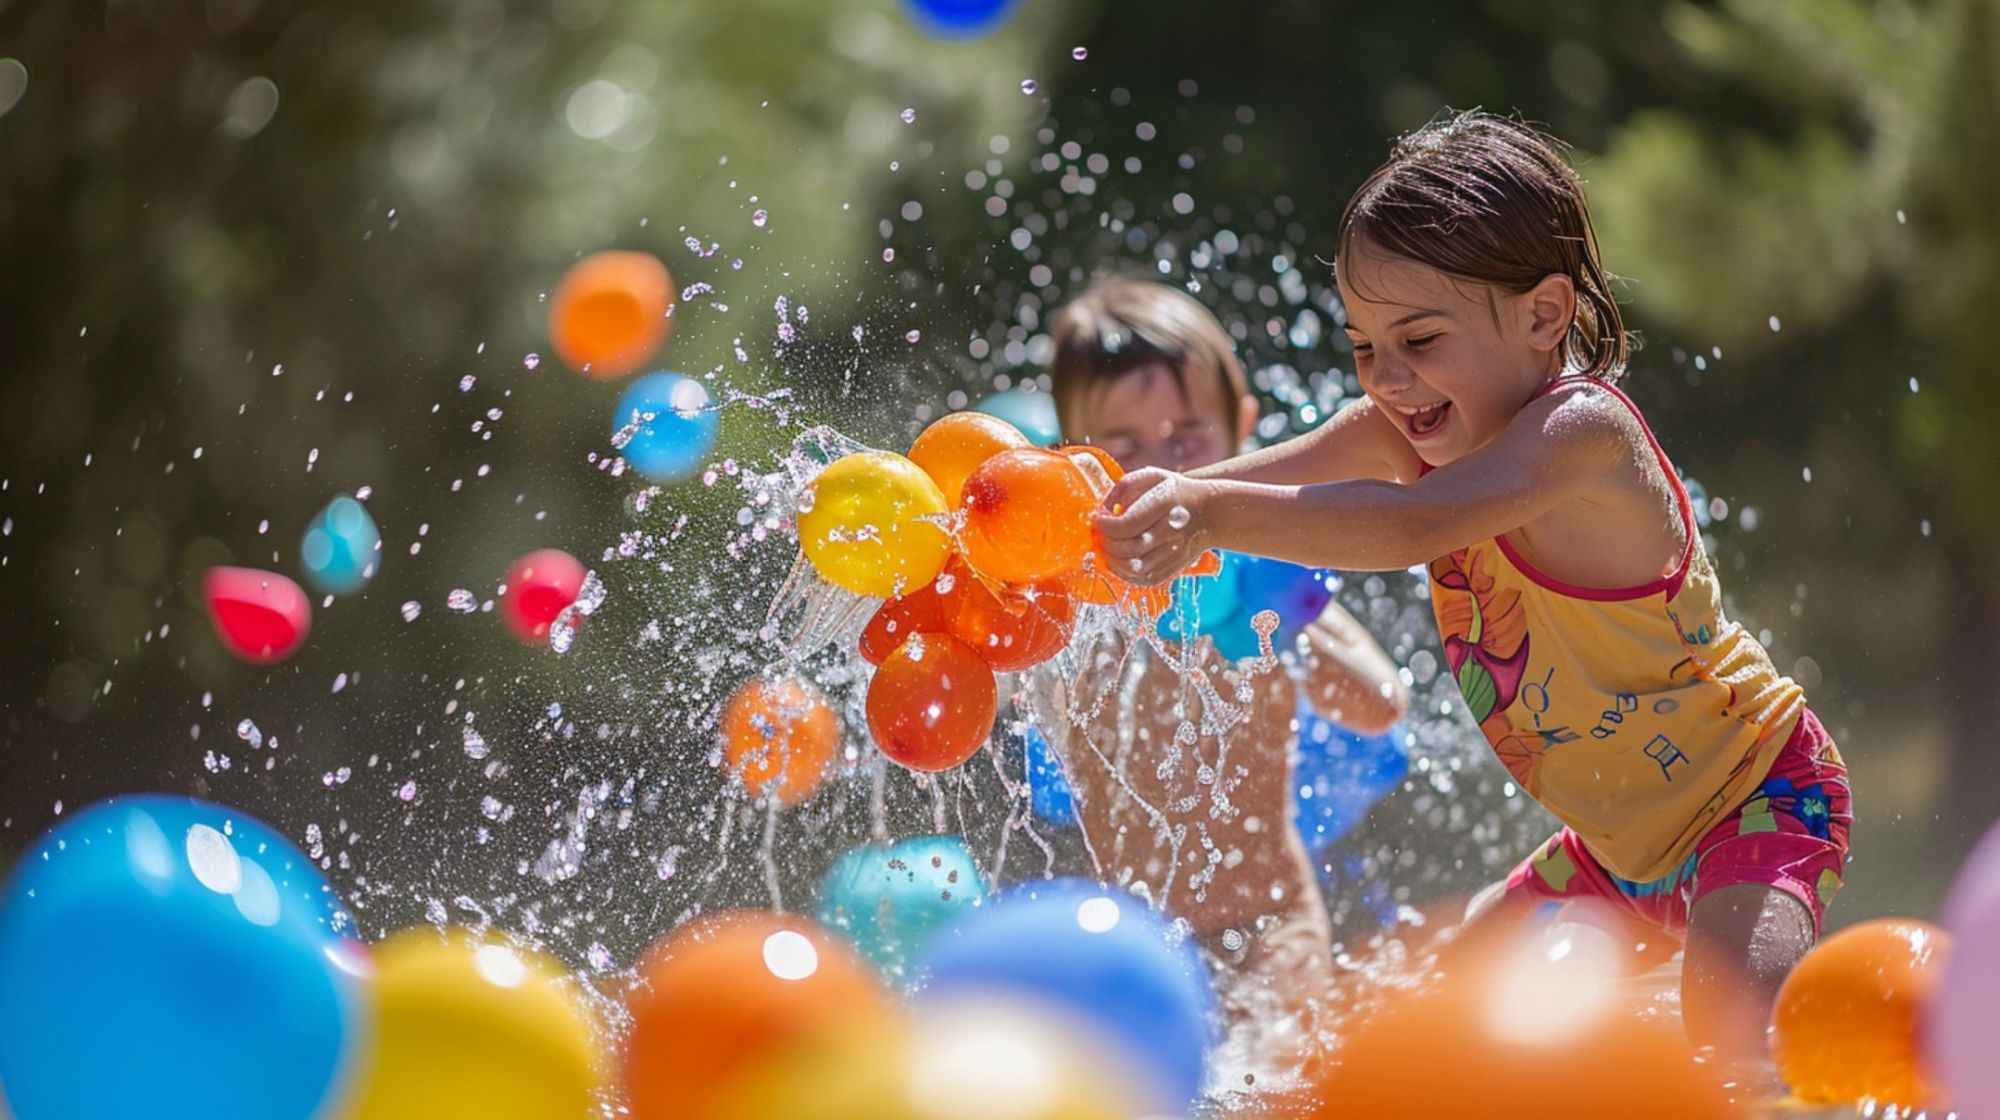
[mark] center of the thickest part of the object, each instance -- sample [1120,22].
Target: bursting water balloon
[871,525]
[174,959]
[667,425]
[341,549]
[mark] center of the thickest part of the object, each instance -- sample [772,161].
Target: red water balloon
[918,612]
[932,703]
[261,617]
[1010,628]
[539,586]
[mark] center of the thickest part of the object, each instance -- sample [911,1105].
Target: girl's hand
[1152,524]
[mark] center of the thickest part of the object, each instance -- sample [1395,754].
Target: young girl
[1579,612]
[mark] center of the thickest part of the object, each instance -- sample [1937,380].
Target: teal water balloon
[342,548]
[890,900]
[1033,413]
[667,426]
[174,959]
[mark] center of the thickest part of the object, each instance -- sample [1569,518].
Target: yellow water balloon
[872,523]
[473,1028]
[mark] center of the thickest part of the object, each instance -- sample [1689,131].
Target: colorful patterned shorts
[1791,834]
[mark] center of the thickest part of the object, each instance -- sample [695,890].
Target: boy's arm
[1556,451]
[1358,442]
[1348,677]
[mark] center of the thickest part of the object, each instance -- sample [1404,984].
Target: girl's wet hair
[1495,201]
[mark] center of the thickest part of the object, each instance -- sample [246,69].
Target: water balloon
[467,1026]
[932,703]
[1340,775]
[539,585]
[960,19]
[780,735]
[174,959]
[666,424]
[1027,516]
[952,447]
[869,524]
[1097,954]
[1848,1021]
[891,899]
[1031,412]
[261,617]
[610,312]
[1010,629]
[920,612]
[723,994]
[1958,1032]
[341,549]
[1048,790]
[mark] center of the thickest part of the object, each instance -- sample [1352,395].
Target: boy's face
[1145,419]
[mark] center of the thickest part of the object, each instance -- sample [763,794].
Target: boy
[1203,826]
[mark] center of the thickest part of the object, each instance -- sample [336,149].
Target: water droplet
[1080,53]
[462,601]
[562,632]
[408,792]
[466,383]
[411,610]
[1178,517]
[1028,86]
[913,335]
[759,218]
[888,255]
[909,116]
[531,361]
[599,956]
[475,744]
[247,731]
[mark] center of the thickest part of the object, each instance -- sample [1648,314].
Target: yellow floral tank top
[1637,715]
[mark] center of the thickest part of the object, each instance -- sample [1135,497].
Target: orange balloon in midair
[932,703]
[1848,1020]
[780,735]
[1027,516]
[610,312]
[953,447]
[721,996]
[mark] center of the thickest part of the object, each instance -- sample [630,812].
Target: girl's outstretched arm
[1358,442]
[1555,452]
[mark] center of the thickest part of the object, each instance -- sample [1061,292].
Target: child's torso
[1638,715]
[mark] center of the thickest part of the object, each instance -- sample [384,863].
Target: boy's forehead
[1146,394]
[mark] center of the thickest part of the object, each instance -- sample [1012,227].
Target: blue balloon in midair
[960,19]
[341,548]
[1048,791]
[890,900]
[173,959]
[1033,413]
[1340,775]
[1094,951]
[681,432]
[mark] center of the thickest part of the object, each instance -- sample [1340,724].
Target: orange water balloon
[1010,628]
[1027,516]
[780,735]
[610,312]
[932,703]
[720,997]
[1103,458]
[1848,1023]
[954,446]
[921,611]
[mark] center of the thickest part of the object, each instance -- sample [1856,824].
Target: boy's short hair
[1118,325]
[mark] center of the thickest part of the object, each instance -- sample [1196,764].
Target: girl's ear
[1547,310]
[1246,418]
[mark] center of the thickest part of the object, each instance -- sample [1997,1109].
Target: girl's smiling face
[1449,361]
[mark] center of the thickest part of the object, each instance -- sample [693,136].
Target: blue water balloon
[1048,791]
[1096,952]
[1033,413]
[1297,593]
[890,899]
[670,424]
[341,549]
[1341,774]
[960,19]
[173,959]
[1204,604]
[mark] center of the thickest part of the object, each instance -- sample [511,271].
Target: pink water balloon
[1961,1023]
[261,617]
[539,586]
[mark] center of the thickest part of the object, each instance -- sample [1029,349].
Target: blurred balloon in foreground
[168,958]
[870,524]
[666,425]
[1031,412]
[1096,954]
[932,703]
[953,446]
[261,617]
[972,1058]
[610,312]
[1848,1023]
[539,586]
[780,735]
[1960,1028]
[341,549]
[1524,1021]
[474,1028]
[721,996]
[890,899]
